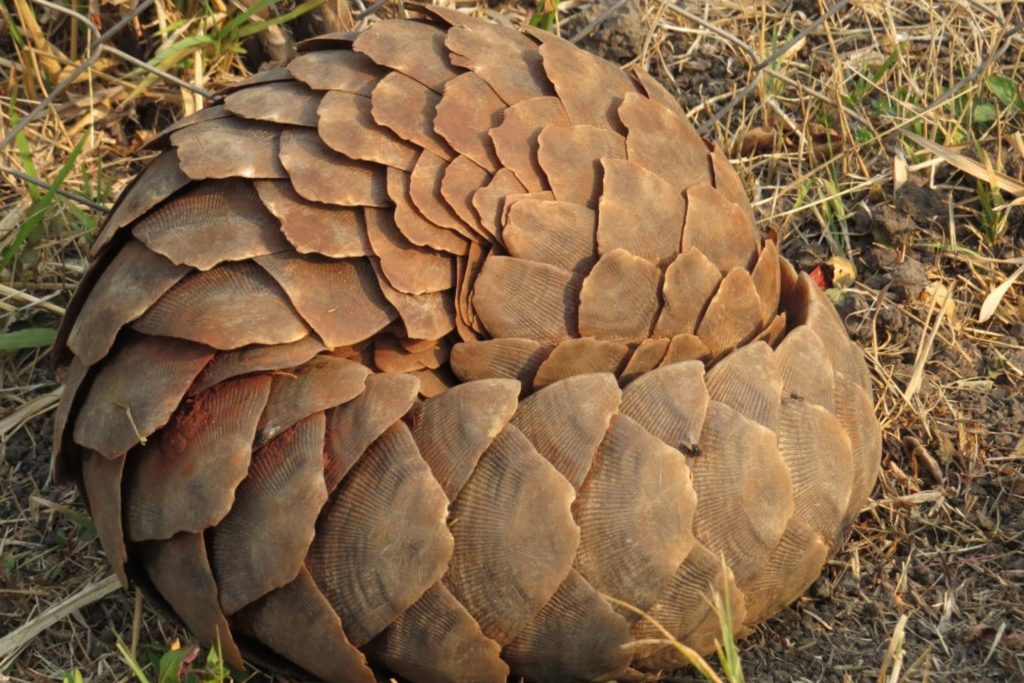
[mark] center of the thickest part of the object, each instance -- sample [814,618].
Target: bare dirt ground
[883,141]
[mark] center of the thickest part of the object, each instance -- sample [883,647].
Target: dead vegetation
[884,141]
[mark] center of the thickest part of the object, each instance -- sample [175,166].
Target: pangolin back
[438,347]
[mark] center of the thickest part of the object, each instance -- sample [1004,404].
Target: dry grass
[886,134]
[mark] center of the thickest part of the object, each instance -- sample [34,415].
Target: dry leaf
[757,139]
[970,166]
[844,273]
[991,302]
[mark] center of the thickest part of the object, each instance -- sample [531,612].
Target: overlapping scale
[321,383]
[328,41]
[544,307]
[313,227]
[338,298]
[462,178]
[454,429]
[340,110]
[466,112]
[408,108]
[354,425]
[806,372]
[467,270]
[286,101]
[640,212]
[571,159]
[134,280]
[619,298]
[102,476]
[489,202]
[413,48]
[230,147]
[437,640]
[413,225]
[775,331]
[296,621]
[434,382]
[250,359]
[136,391]
[855,411]
[579,357]
[558,233]
[745,491]
[425,192]
[227,307]
[647,355]
[567,421]
[512,492]
[766,279]
[670,402]
[844,356]
[728,182]
[590,88]
[341,70]
[510,358]
[684,347]
[656,91]
[690,282]
[816,450]
[262,543]
[213,222]
[158,181]
[515,139]
[184,479]
[575,636]
[507,61]
[274,74]
[663,143]
[749,382]
[370,569]
[686,611]
[320,174]
[633,540]
[61,465]
[162,140]
[409,268]
[180,572]
[790,570]
[719,229]
[733,315]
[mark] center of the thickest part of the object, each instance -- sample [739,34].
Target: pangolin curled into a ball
[438,347]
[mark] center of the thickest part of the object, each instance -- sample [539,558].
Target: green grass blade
[24,153]
[260,26]
[39,207]
[545,14]
[28,338]
[140,675]
[232,24]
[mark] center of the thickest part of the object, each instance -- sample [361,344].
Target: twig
[29,299]
[37,406]
[73,196]
[12,643]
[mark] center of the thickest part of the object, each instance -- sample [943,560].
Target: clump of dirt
[620,36]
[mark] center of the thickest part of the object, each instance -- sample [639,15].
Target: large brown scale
[433,347]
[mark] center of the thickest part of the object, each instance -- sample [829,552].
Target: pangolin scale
[452,350]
